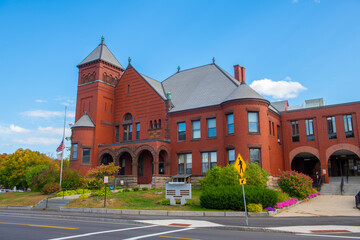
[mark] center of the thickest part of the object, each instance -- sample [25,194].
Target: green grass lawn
[21,198]
[144,200]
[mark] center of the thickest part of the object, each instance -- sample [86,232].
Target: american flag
[61,147]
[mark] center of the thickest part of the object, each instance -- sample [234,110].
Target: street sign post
[240,166]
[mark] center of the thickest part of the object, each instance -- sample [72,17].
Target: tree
[104,170]
[14,166]
[255,175]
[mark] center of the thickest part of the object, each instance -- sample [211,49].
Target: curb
[15,207]
[165,213]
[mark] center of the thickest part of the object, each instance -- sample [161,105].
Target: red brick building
[199,118]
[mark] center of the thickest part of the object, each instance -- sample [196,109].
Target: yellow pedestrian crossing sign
[240,165]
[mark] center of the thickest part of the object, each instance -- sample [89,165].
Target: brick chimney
[239,73]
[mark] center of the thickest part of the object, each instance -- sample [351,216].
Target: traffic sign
[240,165]
[242,181]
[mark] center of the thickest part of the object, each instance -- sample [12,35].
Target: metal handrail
[342,185]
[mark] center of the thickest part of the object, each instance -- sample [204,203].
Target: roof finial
[213,59]
[129,59]
[178,68]
[102,38]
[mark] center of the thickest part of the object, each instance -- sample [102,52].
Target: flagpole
[62,153]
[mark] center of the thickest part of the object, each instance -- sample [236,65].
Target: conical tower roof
[102,53]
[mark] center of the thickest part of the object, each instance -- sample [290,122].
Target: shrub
[101,192]
[104,170]
[118,188]
[135,189]
[126,190]
[38,176]
[218,176]
[164,202]
[282,196]
[90,182]
[252,207]
[231,197]
[255,175]
[297,185]
[71,178]
[83,196]
[145,188]
[50,188]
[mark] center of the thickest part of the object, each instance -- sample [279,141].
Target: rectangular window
[116,133]
[230,123]
[127,132]
[273,129]
[349,132]
[86,156]
[182,131]
[74,150]
[208,161]
[211,124]
[196,129]
[278,133]
[255,155]
[137,130]
[309,123]
[253,122]
[331,127]
[231,156]
[185,163]
[295,131]
[269,127]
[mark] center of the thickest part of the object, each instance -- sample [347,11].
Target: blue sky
[293,50]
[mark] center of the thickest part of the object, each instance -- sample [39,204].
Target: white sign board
[324,171]
[178,190]
[106,179]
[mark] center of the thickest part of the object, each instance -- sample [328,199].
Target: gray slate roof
[84,121]
[205,86]
[280,105]
[156,85]
[103,53]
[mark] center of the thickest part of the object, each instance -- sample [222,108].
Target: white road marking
[329,236]
[156,234]
[191,223]
[102,232]
[309,229]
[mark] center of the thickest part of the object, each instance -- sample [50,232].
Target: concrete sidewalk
[323,205]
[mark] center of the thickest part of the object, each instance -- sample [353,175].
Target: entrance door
[145,169]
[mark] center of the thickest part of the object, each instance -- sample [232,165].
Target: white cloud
[18,129]
[43,141]
[54,131]
[283,89]
[47,114]
[40,101]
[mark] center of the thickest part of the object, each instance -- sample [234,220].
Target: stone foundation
[159,181]
[128,181]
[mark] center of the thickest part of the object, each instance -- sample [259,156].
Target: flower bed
[289,202]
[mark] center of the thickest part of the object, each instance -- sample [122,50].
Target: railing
[357,200]
[65,189]
[319,183]
[342,186]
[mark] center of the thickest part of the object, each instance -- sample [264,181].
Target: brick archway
[303,149]
[342,146]
[138,151]
[103,152]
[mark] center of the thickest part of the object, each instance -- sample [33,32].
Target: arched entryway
[145,167]
[344,163]
[308,164]
[125,163]
[106,159]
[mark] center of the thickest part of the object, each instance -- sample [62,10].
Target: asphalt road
[26,227]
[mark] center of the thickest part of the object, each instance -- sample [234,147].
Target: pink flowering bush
[313,195]
[297,185]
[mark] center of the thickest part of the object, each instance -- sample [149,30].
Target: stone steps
[53,203]
[334,189]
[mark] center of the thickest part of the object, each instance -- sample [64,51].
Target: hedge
[231,197]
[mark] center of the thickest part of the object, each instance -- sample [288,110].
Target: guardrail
[357,200]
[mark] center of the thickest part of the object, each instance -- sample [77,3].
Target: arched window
[128,117]
[151,125]
[155,124]
[159,125]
